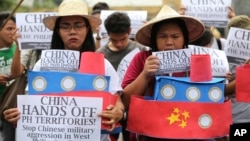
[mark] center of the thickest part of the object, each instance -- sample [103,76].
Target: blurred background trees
[240,6]
[30,5]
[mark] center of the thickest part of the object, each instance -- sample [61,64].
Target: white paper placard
[51,118]
[34,34]
[60,60]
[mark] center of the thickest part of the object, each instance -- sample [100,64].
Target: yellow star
[183,124]
[185,114]
[176,110]
[173,118]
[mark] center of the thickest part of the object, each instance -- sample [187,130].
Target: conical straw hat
[194,26]
[72,8]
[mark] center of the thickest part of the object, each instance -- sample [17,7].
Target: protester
[96,12]
[211,33]
[72,30]
[241,111]
[118,26]
[208,40]
[10,65]
[98,7]
[167,31]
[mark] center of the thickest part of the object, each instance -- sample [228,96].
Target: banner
[173,61]
[210,12]
[58,118]
[60,60]
[237,47]
[34,34]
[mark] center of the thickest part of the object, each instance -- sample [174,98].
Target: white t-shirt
[215,45]
[114,85]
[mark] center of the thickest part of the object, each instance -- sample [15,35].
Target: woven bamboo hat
[194,26]
[72,8]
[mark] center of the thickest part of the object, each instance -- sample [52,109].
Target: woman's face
[73,31]
[6,33]
[169,37]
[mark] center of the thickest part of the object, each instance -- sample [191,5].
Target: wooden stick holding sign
[11,14]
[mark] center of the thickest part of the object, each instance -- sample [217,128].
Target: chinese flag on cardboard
[179,120]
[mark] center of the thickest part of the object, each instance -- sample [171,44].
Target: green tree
[57,2]
[6,5]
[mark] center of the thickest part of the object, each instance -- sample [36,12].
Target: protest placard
[34,34]
[138,18]
[64,118]
[210,12]
[173,61]
[219,60]
[60,60]
[237,47]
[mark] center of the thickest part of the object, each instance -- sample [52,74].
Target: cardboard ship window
[57,82]
[182,89]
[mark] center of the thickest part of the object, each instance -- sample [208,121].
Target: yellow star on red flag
[178,116]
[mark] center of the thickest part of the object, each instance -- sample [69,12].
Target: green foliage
[45,5]
[39,5]
[6,5]
[57,2]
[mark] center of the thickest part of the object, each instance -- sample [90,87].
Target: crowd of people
[75,29]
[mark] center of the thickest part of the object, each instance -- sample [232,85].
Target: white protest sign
[173,61]
[123,66]
[137,19]
[60,60]
[34,34]
[210,12]
[51,118]
[238,43]
[237,46]
[220,66]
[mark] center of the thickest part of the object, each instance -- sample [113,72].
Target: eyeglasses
[76,27]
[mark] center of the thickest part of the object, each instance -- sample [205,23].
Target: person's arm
[230,88]
[12,115]
[231,12]
[182,10]
[137,87]
[139,81]
[114,113]
[16,67]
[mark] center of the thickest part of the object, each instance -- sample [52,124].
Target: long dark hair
[156,27]
[88,44]
[204,40]
[4,16]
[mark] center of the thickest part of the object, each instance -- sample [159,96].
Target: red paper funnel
[200,68]
[92,63]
